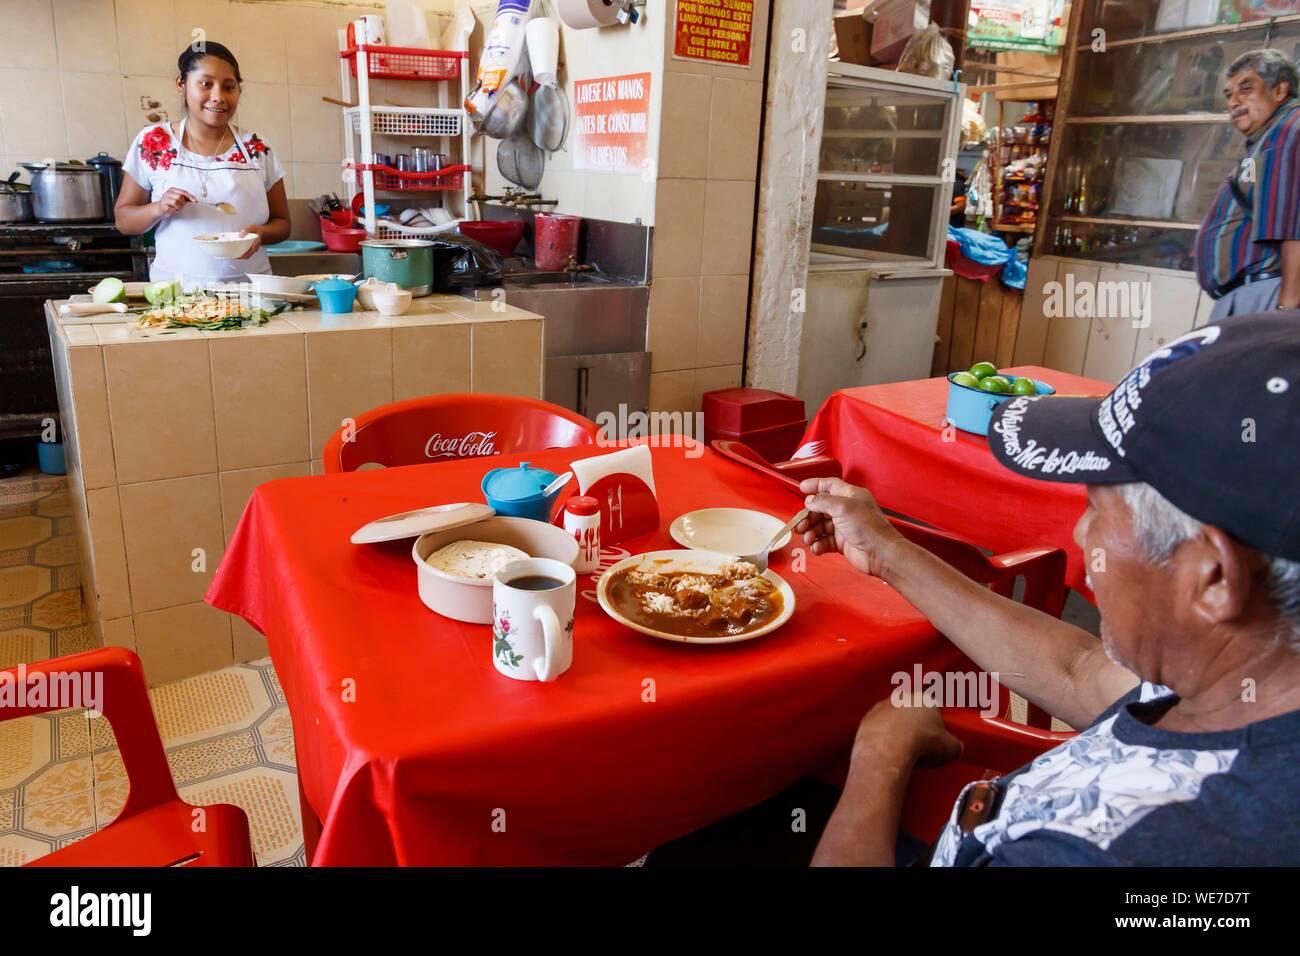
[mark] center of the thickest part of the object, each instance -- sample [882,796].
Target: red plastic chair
[448,427]
[156,827]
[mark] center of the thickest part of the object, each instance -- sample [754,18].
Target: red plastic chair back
[159,822]
[448,427]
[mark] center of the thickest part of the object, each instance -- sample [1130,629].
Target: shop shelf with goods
[1143,142]
[439,172]
[1017,158]
[1141,146]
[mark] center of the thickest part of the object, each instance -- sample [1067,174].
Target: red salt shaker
[582,520]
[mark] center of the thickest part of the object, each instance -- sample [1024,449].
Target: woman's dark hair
[190,56]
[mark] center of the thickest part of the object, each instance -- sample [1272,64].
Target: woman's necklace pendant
[204,190]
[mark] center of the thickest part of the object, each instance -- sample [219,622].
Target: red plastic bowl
[503,235]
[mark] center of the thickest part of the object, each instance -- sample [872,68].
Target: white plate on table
[704,562]
[727,530]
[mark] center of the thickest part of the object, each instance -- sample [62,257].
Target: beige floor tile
[23,532]
[58,609]
[24,645]
[281,752]
[109,800]
[219,702]
[108,767]
[277,725]
[56,780]
[8,810]
[208,758]
[19,850]
[59,817]
[269,798]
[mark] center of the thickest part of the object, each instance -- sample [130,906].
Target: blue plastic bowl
[971,409]
[336,296]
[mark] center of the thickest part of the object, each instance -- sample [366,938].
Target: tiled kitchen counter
[168,432]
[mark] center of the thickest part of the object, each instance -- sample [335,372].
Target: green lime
[966,378]
[983,369]
[1024,386]
[1003,379]
[995,383]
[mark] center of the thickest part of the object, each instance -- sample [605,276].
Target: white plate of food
[695,597]
[727,530]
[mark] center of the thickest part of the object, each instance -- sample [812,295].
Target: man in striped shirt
[1248,249]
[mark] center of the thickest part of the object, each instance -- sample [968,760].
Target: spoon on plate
[759,559]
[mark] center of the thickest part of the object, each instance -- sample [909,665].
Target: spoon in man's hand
[759,559]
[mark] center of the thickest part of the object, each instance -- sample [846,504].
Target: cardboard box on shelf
[853,36]
[1033,64]
[895,25]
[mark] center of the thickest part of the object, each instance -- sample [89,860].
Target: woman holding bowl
[178,173]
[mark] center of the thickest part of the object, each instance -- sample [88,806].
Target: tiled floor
[227,733]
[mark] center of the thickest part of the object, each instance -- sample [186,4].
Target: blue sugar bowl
[517,492]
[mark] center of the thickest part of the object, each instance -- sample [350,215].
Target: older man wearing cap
[1248,248]
[1190,702]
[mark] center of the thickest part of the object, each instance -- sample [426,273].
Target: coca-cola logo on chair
[471,445]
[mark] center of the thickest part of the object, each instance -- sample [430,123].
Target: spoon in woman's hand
[225,207]
[759,559]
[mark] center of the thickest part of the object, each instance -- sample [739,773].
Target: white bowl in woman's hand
[227,245]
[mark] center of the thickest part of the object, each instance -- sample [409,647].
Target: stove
[40,261]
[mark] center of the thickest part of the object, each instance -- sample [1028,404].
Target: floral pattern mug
[532,629]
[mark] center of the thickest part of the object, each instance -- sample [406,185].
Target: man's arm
[891,741]
[1060,667]
[1289,297]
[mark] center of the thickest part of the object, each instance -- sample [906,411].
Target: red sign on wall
[611,123]
[716,31]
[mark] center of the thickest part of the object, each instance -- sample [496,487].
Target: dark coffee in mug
[535,582]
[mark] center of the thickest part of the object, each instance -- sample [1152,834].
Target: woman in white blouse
[178,172]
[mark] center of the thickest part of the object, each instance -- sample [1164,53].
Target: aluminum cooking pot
[15,201]
[66,192]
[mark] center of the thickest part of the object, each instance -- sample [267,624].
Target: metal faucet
[515,197]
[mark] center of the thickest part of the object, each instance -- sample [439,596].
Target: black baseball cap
[1211,421]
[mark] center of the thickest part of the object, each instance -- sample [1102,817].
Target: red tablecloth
[890,440]
[437,746]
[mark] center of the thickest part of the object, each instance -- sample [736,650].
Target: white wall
[585,55]
[73,73]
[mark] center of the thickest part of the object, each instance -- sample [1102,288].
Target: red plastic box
[769,422]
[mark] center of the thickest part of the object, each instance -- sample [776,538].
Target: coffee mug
[532,619]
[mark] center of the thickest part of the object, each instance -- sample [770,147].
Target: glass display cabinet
[886,169]
[1142,141]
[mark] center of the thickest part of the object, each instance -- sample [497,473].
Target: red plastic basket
[388,178]
[407,63]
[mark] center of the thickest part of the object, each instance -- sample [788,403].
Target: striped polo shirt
[1234,242]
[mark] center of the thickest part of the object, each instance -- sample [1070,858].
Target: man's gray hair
[1273,67]
[1160,527]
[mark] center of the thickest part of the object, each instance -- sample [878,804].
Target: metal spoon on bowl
[759,558]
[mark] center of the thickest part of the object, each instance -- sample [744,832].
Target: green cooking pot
[407,262]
